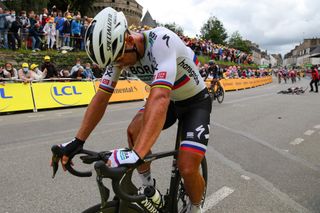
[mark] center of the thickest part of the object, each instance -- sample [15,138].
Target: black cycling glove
[72,147]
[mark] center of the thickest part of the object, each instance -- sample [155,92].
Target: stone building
[131,9]
[308,52]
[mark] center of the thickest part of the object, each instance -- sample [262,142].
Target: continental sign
[62,94]
[15,97]
[128,90]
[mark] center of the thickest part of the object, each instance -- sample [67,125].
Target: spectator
[314,79]
[76,67]
[14,36]
[58,20]
[49,68]
[67,31]
[3,28]
[38,75]
[88,72]
[76,32]
[10,71]
[7,24]
[25,74]
[25,25]
[97,71]
[79,74]
[83,32]
[35,35]
[2,74]
[32,18]
[50,32]
[64,73]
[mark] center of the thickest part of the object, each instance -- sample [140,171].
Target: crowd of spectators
[48,70]
[48,30]
[232,72]
[216,52]
[55,30]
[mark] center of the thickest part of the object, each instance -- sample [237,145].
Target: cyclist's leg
[195,136]
[135,127]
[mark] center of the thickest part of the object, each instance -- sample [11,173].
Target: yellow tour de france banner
[15,97]
[62,94]
[236,84]
[129,90]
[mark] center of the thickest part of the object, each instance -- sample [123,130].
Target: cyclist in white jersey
[159,58]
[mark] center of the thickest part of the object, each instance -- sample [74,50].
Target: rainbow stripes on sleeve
[106,89]
[162,84]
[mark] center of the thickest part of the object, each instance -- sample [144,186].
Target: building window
[113,1]
[128,3]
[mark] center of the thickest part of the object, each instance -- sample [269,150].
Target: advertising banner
[239,83]
[15,97]
[62,94]
[128,90]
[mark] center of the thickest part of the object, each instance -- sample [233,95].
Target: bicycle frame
[127,199]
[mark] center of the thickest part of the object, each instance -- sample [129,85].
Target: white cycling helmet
[104,38]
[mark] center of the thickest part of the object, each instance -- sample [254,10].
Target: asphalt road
[263,154]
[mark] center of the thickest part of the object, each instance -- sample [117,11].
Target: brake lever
[56,156]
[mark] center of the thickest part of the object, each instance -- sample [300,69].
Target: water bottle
[154,195]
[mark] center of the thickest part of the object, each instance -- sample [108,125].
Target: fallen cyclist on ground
[162,60]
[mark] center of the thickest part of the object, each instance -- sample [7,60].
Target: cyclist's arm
[93,115]
[154,118]
[99,103]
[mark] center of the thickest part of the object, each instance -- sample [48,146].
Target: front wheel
[220,94]
[115,207]
[112,207]
[182,200]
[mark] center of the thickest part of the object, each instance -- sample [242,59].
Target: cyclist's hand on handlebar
[69,149]
[123,157]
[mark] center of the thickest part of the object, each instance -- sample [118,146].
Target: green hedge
[62,61]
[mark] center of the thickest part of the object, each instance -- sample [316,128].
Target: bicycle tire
[112,207]
[211,93]
[220,94]
[180,193]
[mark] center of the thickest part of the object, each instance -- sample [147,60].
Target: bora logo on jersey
[66,95]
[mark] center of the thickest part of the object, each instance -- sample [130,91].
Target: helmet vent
[114,46]
[101,48]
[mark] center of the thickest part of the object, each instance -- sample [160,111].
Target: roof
[315,53]
[148,20]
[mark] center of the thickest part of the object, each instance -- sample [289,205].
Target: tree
[236,41]
[174,27]
[27,5]
[213,29]
[73,5]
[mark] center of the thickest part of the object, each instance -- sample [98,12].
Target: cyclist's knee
[188,163]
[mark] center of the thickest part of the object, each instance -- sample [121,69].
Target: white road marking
[317,127]
[63,113]
[216,197]
[245,177]
[35,116]
[297,141]
[309,132]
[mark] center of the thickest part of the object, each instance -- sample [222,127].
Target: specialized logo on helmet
[109,25]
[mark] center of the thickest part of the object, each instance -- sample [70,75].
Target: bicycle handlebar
[89,158]
[115,174]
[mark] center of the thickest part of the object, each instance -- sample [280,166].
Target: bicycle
[216,91]
[127,199]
